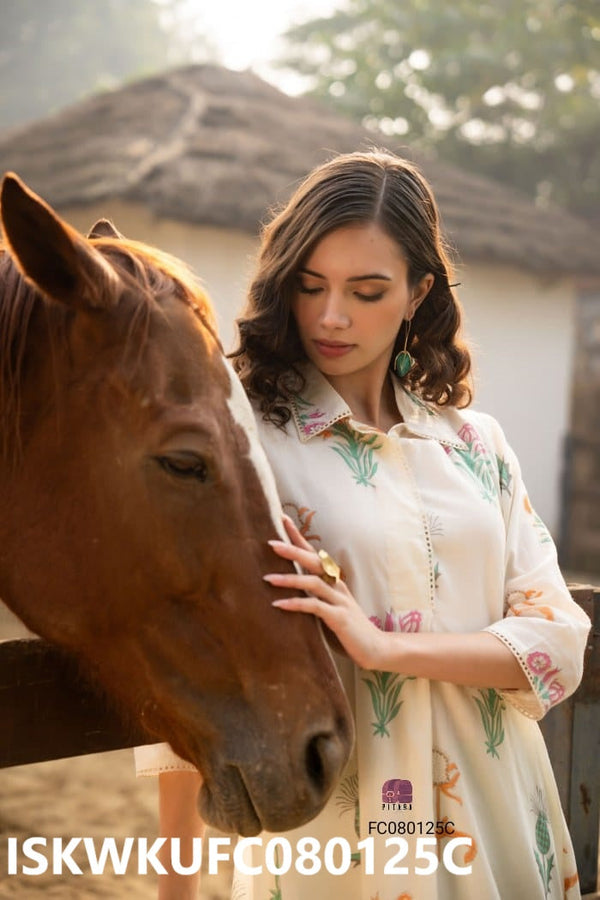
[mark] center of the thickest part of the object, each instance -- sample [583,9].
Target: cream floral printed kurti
[434,532]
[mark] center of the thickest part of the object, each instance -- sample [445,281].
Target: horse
[136,508]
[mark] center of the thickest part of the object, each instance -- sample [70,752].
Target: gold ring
[331,570]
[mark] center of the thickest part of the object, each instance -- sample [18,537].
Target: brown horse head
[136,505]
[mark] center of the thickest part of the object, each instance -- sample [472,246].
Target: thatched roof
[208,145]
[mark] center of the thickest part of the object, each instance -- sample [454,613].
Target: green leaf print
[543,857]
[385,688]
[424,406]
[357,452]
[347,799]
[543,533]
[504,475]
[545,867]
[275,893]
[491,706]
[476,462]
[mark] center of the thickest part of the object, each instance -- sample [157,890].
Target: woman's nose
[333,314]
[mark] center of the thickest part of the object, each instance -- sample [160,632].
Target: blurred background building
[126,110]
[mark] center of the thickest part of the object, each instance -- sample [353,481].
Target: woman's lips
[332,349]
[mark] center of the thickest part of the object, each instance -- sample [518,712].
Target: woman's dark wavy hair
[373,187]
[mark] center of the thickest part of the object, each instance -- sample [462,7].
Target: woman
[456,624]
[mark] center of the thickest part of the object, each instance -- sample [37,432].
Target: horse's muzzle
[274,794]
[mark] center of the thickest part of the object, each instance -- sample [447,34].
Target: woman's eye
[305,289]
[370,297]
[184,466]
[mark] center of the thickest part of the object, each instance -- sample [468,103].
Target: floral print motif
[424,406]
[475,461]
[491,706]
[385,688]
[303,517]
[409,621]
[570,881]
[275,893]
[504,475]
[310,418]
[543,857]
[445,778]
[434,523]
[524,603]
[347,798]
[543,533]
[538,662]
[357,452]
[543,671]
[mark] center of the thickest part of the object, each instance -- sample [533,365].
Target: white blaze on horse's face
[241,411]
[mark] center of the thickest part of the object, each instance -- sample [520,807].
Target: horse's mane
[152,275]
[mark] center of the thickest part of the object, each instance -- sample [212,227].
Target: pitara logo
[397,793]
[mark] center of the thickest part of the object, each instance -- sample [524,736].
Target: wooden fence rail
[48,711]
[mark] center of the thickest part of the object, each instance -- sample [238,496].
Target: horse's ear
[104,228]
[51,254]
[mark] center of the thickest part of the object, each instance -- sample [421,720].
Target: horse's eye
[184,465]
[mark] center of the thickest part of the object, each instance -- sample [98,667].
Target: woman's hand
[478,659]
[333,604]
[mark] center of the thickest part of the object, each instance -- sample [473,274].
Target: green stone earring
[404,362]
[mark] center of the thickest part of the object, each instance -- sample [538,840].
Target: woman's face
[350,300]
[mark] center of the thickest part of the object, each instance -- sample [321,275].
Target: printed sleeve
[542,625]
[152,759]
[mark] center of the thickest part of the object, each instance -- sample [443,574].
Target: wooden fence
[572,733]
[48,712]
[579,537]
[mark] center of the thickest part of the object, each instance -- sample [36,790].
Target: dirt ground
[87,796]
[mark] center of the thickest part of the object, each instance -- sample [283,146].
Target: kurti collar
[319,406]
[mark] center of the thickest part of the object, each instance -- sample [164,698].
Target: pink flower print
[307,426]
[411,621]
[468,434]
[556,691]
[539,662]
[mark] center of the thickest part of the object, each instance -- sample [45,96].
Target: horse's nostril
[322,759]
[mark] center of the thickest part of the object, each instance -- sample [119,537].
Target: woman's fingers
[305,556]
[294,534]
[327,612]
[313,584]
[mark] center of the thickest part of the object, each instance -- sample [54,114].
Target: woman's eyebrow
[371,276]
